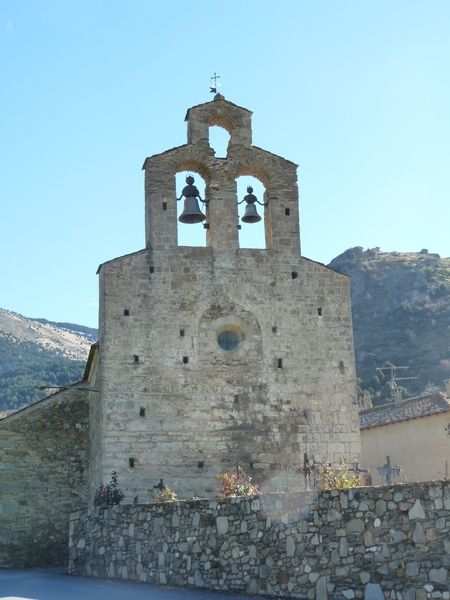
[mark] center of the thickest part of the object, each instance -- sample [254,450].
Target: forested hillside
[36,353]
[401,315]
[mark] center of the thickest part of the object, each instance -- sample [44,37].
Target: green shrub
[167,494]
[337,477]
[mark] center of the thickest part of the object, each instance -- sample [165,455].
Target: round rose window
[228,340]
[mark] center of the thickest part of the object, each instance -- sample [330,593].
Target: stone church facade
[175,402]
[208,357]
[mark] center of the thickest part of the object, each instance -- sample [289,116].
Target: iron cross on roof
[213,88]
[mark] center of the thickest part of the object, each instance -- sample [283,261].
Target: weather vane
[213,88]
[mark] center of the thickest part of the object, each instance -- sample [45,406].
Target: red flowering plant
[237,483]
[108,495]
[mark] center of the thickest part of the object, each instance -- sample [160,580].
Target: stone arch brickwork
[235,119]
[276,173]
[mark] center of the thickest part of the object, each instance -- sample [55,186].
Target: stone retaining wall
[387,542]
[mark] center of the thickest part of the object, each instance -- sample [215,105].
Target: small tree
[237,483]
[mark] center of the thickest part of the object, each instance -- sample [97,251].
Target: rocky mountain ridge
[401,316]
[62,338]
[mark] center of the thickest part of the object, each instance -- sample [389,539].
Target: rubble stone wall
[371,543]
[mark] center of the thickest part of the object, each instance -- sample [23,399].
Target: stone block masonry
[43,478]
[221,408]
[387,542]
[184,407]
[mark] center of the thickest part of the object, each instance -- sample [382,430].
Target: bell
[251,214]
[191,212]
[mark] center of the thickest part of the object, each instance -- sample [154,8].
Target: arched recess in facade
[194,166]
[279,176]
[223,121]
[252,234]
[216,141]
[187,234]
[255,170]
[236,120]
[160,191]
[219,141]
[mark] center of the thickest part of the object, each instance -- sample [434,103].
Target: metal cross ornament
[307,471]
[213,88]
[363,474]
[389,470]
[160,486]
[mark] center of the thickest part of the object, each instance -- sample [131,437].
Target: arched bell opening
[219,139]
[251,194]
[191,211]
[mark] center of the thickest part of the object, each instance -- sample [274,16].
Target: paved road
[54,584]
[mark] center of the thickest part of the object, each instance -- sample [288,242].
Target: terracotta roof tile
[412,408]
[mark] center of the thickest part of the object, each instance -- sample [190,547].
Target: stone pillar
[160,209]
[282,214]
[222,214]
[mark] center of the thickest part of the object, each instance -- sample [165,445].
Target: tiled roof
[412,408]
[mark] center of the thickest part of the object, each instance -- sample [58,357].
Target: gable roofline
[316,262]
[326,267]
[276,155]
[217,97]
[158,154]
[162,154]
[120,258]
[91,362]
[59,395]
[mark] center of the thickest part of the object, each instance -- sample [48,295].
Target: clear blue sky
[356,92]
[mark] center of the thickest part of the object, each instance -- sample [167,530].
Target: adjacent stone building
[44,470]
[219,355]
